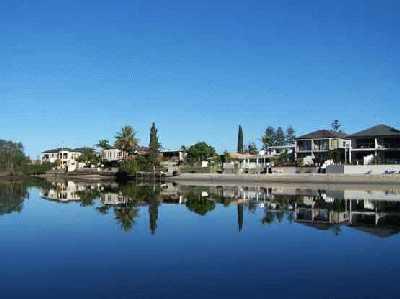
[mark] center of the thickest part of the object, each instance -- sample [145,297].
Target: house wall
[362,169]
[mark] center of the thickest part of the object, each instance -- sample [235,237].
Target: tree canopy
[200,151]
[126,140]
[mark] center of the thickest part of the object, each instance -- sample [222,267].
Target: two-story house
[380,142]
[321,144]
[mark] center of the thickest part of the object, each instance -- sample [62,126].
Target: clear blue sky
[72,72]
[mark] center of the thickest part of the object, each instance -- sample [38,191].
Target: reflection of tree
[240,216]
[103,209]
[269,217]
[153,217]
[336,229]
[199,205]
[126,216]
[87,197]
[12,195]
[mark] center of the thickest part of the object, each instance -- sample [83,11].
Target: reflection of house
[382,142]
[114,199]
[61,191]
[65,158]
[320,144]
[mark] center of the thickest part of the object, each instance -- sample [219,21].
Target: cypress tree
[154,145]
[240,146]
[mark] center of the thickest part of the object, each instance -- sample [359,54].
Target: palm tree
[126,216]
[103,144]
[126,140]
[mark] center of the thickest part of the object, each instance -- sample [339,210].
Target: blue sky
[72,72]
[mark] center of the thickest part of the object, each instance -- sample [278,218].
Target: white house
[112,155]
[64,158]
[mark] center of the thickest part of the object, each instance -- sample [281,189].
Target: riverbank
[288,178]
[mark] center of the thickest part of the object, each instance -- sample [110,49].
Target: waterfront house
[320,145]
[64,158]
[277,150]
[379,144]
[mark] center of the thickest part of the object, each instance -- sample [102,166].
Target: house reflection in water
[378,217]
[373,211]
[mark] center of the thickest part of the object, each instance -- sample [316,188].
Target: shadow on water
[376,212]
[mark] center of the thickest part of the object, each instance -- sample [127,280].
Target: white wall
[373,169]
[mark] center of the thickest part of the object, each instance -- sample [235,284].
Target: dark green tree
[280,136]
[154,144]
[12,157]
[252,148]
[269,137]
[240,146]
[336,125]
[290,135]
[200,151]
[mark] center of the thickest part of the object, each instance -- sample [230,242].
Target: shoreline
[288,178]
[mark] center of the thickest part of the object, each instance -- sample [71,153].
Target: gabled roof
[379,130]
[323,134]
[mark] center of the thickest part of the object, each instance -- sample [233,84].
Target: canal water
[86,240]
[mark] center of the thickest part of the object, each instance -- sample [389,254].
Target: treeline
[278,136]
[13,160]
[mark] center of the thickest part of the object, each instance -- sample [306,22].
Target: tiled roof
[379,130]
[323,134]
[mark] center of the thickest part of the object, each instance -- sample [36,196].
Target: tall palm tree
[103,144]
[126,140]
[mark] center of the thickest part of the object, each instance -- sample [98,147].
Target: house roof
[56,150]
[323,134]
[379,130]
[67,149]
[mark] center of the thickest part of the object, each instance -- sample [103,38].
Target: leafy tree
[104,144]
[240,147]
[12,157]
[269,137]
[252,148]
[336,125]
[126,140]
[280,136]
[290,135]
[200,151]
[89,156]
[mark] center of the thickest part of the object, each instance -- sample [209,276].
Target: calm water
[76,240]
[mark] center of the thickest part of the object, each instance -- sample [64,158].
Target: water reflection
[374,211]
[12,196]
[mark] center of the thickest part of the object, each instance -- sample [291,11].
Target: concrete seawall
[289,178]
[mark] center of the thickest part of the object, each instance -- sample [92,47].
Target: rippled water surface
[88,240]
